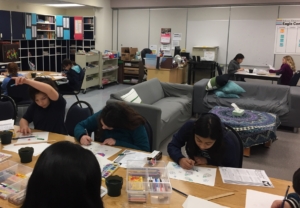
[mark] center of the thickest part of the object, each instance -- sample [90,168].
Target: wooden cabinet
[18,25]
[133,72]
[167,75]
[5,28]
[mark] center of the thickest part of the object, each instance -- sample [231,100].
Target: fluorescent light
[64,5]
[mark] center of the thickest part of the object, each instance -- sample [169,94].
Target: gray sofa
[166,106]
[281,100]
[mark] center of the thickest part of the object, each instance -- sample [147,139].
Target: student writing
[12,69]
[293,199]
[47,112]
[206,143]
[286,70]
[62,179]
[116,124]
[234,65]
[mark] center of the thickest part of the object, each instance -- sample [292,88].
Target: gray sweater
[233,66]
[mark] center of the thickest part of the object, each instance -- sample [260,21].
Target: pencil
[179,191]
[219,196]
[37,142]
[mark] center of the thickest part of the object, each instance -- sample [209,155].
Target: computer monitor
[177,50]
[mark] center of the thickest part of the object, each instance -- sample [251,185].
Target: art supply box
[13,178]
[143,180]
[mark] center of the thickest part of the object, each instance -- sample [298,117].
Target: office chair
[8,108]
[238,144]
[149,133]
[295,79]
[19,93]
[77,114]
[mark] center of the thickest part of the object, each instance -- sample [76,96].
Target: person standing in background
[12,69]
[286,70]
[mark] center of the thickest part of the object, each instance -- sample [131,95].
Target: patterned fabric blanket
[254,127]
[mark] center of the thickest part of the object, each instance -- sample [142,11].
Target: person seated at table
[293,199]
[65,175]
[206,143]
[47,111]
[74,74]
[12,69]
[234,65]
[286,70]
[116,124]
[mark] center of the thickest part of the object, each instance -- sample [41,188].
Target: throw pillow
[131,97]
[232,88]
[216,82]
[224,95]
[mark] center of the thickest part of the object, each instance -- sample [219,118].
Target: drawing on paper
[188,172]
[206,175]
[189,179]
[101,154]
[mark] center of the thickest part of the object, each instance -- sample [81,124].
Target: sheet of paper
[271,67]
[55,74]
[102,161]
[243,176]
[39,136]
[175,43]
[192,202]
[103,150]
[6,124]
[38,148]
[153,48]
[131,155]
[167,53]
[165,47]
[257,199]
[209,55]
[177,36]
[103,191]
[59,77]
[206,176]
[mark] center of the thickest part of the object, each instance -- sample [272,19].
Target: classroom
[175,103]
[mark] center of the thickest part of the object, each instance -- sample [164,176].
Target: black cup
[6,137]
[25,154]
[33,74]
[114,185]
[250,70]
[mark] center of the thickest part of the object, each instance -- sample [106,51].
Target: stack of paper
[257,199]
[192,202]
[102,150]
[6,124]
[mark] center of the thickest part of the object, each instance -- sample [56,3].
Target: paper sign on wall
[153,48]
[165,35]
[175,43]
[209,55]
[167,53]
[177,36]
[165,47]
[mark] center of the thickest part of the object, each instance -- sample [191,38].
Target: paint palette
[109,169]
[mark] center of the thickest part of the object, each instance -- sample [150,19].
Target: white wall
[86,11]
[11,5]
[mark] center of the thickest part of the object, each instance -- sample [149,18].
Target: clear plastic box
[18,198]
[7,164]
[150,63]
[19,170]
[143,178]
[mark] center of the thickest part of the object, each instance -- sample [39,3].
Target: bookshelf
[109,70]
[76,45]
[133,72]
[45,26]
[88,28]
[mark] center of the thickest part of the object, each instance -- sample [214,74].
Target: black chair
[219,70]
[76,91]
[238,144]
[149,133]
[19,93]
[295,79]
[76,114]
[8,108]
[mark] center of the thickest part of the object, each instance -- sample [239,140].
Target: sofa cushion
[131,97]
[149,91]
[225,95]
[232,88]
[216,82]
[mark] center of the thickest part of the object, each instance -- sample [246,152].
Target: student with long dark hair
[12,69]
[234,64]
[65,175]
[116,124]
[47,111]
[74,74]
[206,143]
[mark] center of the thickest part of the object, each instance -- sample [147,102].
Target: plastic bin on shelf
[150,63]
[143,179]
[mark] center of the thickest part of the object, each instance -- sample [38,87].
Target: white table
[254,75]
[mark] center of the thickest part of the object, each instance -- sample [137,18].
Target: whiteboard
[208,27]
[252,34]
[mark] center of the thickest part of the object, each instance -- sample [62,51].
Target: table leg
[189,74]
[247,151]
[268,144]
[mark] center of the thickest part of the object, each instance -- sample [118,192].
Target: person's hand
[63,74]
[278,203]
[85,140]
[109,141]
[200,161]
[19,80]
[25,130]
[186,163]
[241,69]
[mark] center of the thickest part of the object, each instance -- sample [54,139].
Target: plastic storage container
[150,63]
[144,179]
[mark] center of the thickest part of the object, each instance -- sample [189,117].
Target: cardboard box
[125,50]
[133,50]
[125,57]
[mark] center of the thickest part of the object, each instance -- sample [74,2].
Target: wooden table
[176,75]
[268,76]
[236,201]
